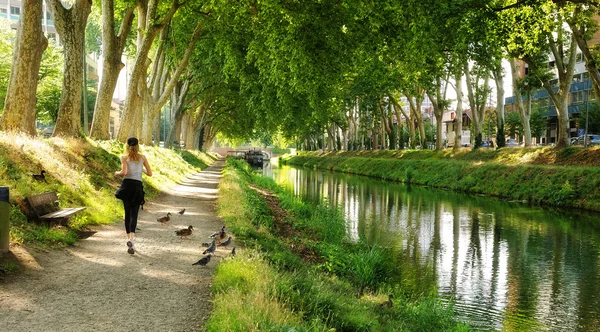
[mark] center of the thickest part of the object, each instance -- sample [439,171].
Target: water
[505,265]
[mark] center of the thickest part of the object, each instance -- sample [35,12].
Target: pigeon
[220,234]
[39,177]
[211,248]
[226,242]
[181,212]
[185,232]
[163,220]
[203,261]
[233,251]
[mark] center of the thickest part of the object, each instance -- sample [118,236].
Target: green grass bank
[568,177]
[300,272]
[81,171]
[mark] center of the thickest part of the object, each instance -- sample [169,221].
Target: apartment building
[580,96]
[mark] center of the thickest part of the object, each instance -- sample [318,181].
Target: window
[51,35]
[577,97]
[49,16]
[577,78]
[554,83]
[15,10]
[3,11]
[585,76]
[579,57]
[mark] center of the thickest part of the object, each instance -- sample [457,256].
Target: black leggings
[131,216]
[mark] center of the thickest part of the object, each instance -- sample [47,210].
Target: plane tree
[70,22]
[19,106]
[115,31]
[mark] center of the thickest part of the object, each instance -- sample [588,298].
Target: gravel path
[96,286]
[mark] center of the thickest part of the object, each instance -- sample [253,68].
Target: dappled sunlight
[176,277]
[99,259]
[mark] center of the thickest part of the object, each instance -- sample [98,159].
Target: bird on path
[220,234]
[233,251]
[203,261]
[185,232]
[181,212]
[39,177]
[226,242]
[164,219]
[206,244]
[211,248]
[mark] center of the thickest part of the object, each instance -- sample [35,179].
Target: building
[11,10]
[580,96]
[449,120]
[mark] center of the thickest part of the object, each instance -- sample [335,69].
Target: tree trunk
[458,125]
[524,112]
[438,102]
[19,107]
[177,101]
[112,50]
[565,69]
[70,24]
[413,121]
[499,79]
[162,91]
[477,97]
[148,29]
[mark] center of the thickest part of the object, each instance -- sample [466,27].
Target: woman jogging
[131,192]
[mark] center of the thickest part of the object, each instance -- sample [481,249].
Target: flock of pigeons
[218,238]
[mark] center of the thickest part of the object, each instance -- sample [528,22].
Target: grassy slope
[567,177]
[82,173]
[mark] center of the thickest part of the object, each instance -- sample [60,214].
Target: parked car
[593,139]
[511,142]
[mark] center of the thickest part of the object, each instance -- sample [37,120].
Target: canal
[504,265]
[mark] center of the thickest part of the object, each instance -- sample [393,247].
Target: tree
[537,122]
[536,31]
[514,124]
[113,45]
[150,22]
[19,106]
[70,24]
[163,81]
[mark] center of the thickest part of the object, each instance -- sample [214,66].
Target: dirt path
[97,286]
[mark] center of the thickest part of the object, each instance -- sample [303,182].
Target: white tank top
[134,169]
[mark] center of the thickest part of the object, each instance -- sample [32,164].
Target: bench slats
[45,206]
[63,213]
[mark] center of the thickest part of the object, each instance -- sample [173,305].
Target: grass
[312,278]
[81,171]
[567,177]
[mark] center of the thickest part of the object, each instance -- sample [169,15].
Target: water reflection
[507,266]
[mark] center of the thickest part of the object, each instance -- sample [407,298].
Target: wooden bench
[45,207]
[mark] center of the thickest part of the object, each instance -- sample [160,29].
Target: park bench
[45,208]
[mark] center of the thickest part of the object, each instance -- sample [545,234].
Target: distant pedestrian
[131,191]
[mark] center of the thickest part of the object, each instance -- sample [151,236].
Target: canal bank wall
[568,177]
